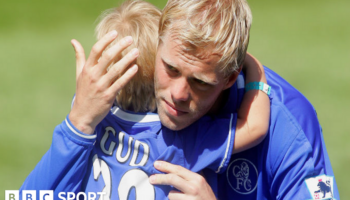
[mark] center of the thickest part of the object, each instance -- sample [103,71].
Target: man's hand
[192,185]
[96,87]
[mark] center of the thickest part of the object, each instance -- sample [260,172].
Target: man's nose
[180,90]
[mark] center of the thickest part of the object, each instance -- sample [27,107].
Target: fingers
[175,195]
[170,179]
[175,169]
[99,47]
[123,80]
[79,57]
[118,68]
[176,176]
[109,56]
[191,184]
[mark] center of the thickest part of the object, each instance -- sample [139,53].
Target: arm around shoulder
[254,112]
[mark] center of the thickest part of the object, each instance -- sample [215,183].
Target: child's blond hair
[140,20]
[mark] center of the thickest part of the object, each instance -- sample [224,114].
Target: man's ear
[232,78]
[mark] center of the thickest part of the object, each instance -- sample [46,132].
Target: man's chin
[173,124]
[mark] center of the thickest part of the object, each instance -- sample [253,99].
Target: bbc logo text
[49,195]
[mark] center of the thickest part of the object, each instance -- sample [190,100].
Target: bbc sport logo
[49,195]
[29,195]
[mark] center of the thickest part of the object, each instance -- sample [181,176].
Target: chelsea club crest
[242,176]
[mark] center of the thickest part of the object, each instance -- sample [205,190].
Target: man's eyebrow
[206,79]
[197,76]
[168,62]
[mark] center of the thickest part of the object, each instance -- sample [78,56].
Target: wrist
[264,87]
[81,123]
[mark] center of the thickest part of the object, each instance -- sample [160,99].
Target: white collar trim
[141,118]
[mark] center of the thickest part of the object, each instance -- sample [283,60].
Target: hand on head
[96,87]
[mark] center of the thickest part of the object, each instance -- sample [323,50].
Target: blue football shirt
[118,159]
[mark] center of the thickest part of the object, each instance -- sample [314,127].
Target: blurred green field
[307,42]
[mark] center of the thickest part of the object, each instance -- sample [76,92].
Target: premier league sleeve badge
[320,187]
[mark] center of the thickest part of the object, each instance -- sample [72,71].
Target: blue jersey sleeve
[300,160]
[64,165]
[209,143]
[298,163]
[290,160]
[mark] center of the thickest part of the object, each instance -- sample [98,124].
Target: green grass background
[307,42]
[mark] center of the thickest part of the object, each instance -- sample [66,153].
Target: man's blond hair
[140,20]
[215,26]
